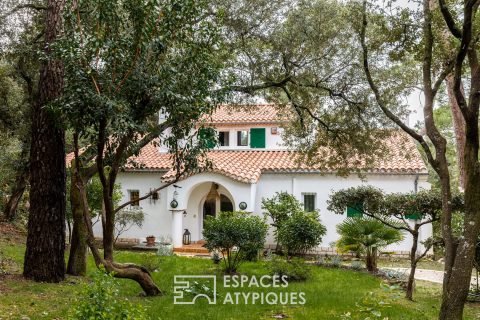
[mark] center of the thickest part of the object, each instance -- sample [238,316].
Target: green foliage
[150,261]
[127,218]
[294,269]
[280,207]
[234,234]
[301,232]
[199,288]
[357,265]
[165,250]
[335,261]
[100,300]
[95,198]
[367,235]
[126,62]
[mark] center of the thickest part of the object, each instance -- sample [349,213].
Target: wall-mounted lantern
[186,237]
[242,205]
[174,203]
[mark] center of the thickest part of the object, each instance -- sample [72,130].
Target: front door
[209,208]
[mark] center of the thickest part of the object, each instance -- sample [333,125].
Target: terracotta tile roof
[258,113]
[248,165]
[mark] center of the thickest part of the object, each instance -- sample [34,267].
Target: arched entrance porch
[206,199]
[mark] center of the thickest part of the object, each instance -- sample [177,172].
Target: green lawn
[329,293]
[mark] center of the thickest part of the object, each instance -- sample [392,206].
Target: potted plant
[150,241]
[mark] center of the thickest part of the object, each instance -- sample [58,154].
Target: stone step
[191,249]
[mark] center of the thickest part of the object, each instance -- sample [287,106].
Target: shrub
[150,261]
[301,232]
[335,261]
[165,250]
[280,208]
[294,269]
[234,234]
[100,301]
[320,261]
[368,235]
[356,265]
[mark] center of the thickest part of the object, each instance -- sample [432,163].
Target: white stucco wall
[324,185]
[158,219]
[272,141]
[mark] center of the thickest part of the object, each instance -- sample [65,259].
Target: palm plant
[367,236]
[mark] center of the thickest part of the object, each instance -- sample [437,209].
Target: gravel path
[428,275]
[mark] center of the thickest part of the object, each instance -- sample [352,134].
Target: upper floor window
[309,202]
[242,138]
[134,197]
[224,138]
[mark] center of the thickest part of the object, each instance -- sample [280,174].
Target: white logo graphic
[182,285]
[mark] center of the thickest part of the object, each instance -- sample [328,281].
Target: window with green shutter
[208,135]
[309,202]
[355,210]
[413,216]
[257,138]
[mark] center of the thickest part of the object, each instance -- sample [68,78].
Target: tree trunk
[459,128]
[77,261]
[413,266]
[458,282]
[10,211]
[125,271]
[371,260]
[44,256]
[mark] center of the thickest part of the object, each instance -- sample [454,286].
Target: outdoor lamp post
[186,237]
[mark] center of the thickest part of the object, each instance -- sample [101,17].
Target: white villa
[251,163]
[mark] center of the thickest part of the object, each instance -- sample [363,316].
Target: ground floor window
[309,201]
[134,197]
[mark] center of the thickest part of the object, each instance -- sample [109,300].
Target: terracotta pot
[150,241]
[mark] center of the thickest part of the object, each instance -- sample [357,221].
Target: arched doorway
[216,202]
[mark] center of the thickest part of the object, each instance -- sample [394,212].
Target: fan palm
[368,236]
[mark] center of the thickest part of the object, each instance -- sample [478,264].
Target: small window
[134,196]
[309,202]
[224,138]
[242,138]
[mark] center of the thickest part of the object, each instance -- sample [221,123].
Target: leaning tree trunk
[125,271]
[77,260]
[10,211]
[44,256]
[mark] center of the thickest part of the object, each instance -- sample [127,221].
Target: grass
[329,293]
[405,263]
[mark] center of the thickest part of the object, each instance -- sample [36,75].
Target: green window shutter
[309,202]
[355,210]
[257,138]
[208,134]
[413,216]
